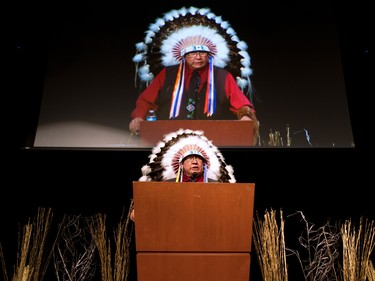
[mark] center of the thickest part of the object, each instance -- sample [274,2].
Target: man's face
[193,164]
[196,60]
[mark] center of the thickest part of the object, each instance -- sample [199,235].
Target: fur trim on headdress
[166,157]
[175,34]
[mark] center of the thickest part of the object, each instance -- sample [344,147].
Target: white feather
[224,25]
[193,10]
[138,57]
[242,45]
[148,37]
[246,71]
[140,47]
[143,178]
[145,169]
[210,15]
[230,170]
[230,31]
[144,69]
[218,19]
[155,27]
[169,15]
[245,55]
[235,38]
[147,77]
[204,11]
[183,11]
[242,83]
[160,22]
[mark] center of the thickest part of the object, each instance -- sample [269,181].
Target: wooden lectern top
[223,133]
[194,217]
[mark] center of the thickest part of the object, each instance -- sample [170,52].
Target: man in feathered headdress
[192,167]
[193,44]
[186,156]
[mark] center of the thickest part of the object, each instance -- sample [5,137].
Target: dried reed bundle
[320,261]
[74,254]
[269,244]
[23,271]
[3,263]
[370,271]
[122,254]
[119,271]
[98,230]
[357,249]
[32,263]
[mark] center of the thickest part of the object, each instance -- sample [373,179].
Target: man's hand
[132,215]
[135,125]
[246,114]
[256,127]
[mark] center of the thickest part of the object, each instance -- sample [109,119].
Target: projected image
[278,66]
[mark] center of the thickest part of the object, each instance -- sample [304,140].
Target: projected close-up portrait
[278,66]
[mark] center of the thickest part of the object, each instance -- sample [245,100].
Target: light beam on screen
[81,134]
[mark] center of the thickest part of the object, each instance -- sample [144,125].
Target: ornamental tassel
[177,91]
[179,174]
[205,178]
[210,101]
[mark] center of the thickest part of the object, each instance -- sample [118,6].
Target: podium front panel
[193,267]
[193,217]
[223,133]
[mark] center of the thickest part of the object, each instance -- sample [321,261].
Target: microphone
[193,176]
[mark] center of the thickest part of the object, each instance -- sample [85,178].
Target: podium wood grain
[223,133]
[193,231]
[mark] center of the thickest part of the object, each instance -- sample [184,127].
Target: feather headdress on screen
[186,30]
[166,159]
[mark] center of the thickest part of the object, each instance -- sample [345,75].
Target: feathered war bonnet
[181,31]
[167,155]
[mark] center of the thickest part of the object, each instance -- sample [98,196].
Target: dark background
[332,184]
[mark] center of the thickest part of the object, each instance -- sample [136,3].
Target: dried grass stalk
[269,244]
[357,249]
[118,271]
[74,254]
[321,254]
[23,271]
[99,232]
[32,263]
[370,271]
[3,263]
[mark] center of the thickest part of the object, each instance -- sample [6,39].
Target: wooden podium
[193,231]
[223,133]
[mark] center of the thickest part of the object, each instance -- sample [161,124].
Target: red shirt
[198,178]
[147,98]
